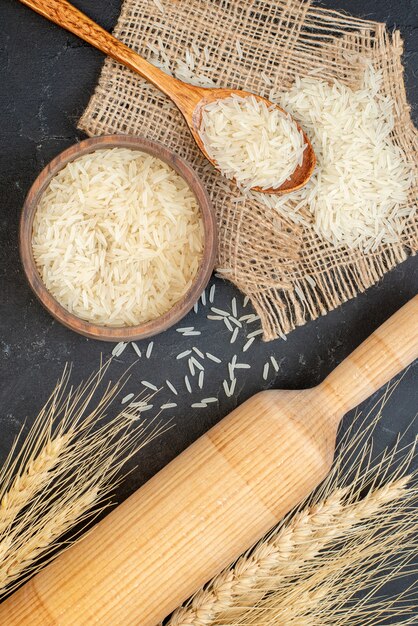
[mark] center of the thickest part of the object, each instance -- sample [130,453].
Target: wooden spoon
[188,98]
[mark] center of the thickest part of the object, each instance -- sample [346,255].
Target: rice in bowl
[118,237]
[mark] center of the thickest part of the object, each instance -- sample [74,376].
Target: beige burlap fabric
[290,274]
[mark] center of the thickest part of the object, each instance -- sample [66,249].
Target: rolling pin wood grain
[213,501]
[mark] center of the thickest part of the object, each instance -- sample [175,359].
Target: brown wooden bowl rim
[183,306]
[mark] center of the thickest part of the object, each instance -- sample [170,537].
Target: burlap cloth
[290,274]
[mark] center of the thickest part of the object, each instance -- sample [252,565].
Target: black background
[46,78]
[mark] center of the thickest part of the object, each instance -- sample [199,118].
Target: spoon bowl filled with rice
[118,238]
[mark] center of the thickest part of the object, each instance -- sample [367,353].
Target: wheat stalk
[62,473]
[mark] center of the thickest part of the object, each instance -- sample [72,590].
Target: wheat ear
[33,478]
[341,587]
[70,460]
[57,525]
[283,554]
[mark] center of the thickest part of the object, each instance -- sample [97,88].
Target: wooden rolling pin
[213,501]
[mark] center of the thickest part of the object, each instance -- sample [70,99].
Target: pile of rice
[118,237]
[358,194]
[257,145]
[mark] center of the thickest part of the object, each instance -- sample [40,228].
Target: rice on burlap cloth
[290,274]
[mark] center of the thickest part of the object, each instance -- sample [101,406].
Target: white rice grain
[255,333]
[198,352]
[219,311]
[200,380]
[136,348]
[119,348]
[234,307]
[212,294]
[274,363]
[248,344]
[149,385]
[191,367]
[234,335]
[183,354]
[196,363]
[228,324]
[266,371]
[171,387]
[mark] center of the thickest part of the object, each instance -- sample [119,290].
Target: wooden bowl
[179,310]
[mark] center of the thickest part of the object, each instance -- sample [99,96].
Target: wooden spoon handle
[66,15]
[391,348]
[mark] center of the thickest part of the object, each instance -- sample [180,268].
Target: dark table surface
[46,78]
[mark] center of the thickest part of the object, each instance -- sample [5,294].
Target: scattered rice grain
[149,385]
[234,307]
[248,344]
[219,311]
[127,398]
[183,354]
[196,363]
[255,333]
[119,348]
[191,367]
[171,386]
[234,335]
[136,348]
[212,294]
[200,380]
[228,324]
[274,363]
[266,371]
